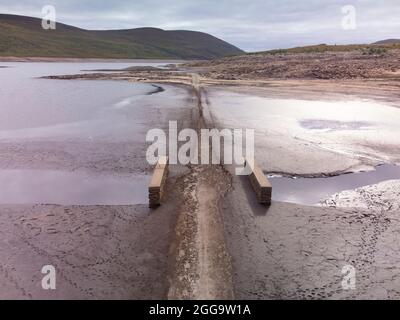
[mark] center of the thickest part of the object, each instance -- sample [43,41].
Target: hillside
[389,41]
[323,48]
[22,36]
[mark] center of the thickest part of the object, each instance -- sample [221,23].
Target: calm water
[41,110]
[27,102]
[311,191]
[71,188]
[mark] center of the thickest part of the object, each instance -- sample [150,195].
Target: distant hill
[374,48]
[388,41]
[22,36]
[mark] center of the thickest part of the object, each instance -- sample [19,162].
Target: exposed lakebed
[101,126]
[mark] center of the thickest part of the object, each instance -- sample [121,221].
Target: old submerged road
[202,267]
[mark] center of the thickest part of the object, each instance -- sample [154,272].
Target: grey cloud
[251,25]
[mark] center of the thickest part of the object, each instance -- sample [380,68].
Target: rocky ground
[327,65]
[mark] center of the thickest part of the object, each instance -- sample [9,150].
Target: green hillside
[389,41]
[22,36]
[322,48]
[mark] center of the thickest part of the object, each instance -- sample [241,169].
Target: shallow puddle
[71,188]
[311,191]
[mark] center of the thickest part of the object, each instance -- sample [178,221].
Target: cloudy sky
[249,24]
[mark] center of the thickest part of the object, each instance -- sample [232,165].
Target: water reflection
[71,188]
[310,191]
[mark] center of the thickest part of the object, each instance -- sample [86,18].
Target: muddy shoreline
[385,90]
[99,252]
